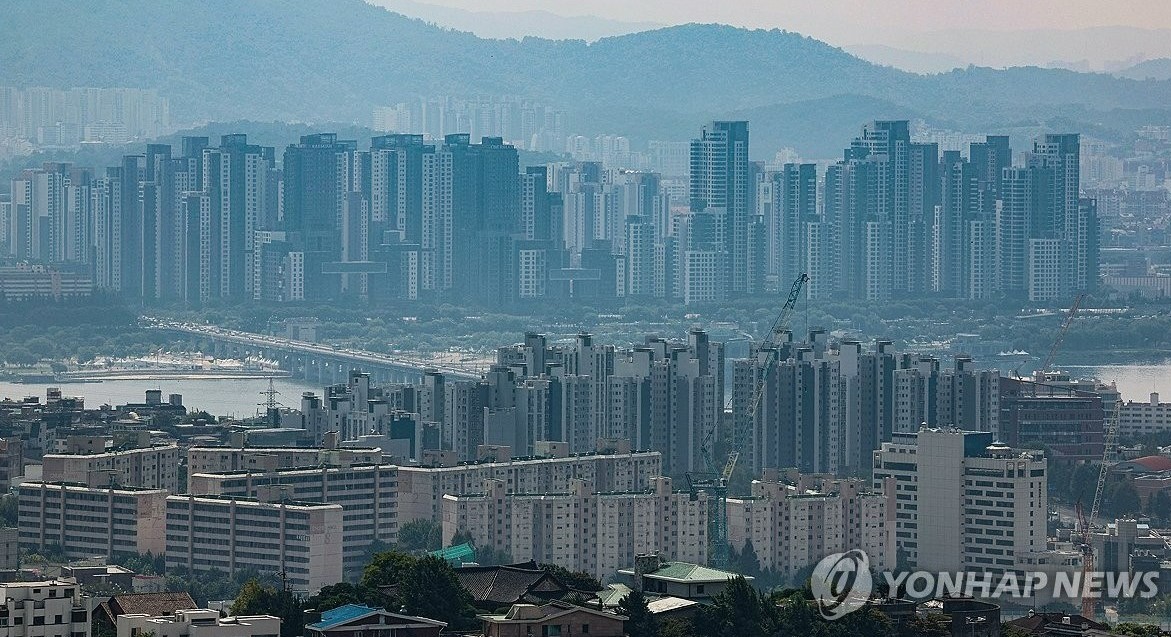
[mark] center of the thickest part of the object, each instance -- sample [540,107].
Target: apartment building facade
[378,499]
[582,528]
[86,521]
[793,521]
[51,608]
[301,541]
[93,461]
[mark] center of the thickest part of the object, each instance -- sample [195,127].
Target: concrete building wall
[149,468]
[86,522]
[301,540]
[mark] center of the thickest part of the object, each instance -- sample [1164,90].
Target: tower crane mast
[1110,440]
[714,480]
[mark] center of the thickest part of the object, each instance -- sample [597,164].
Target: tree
[462,537]
[8,509]
[257,599]
[431,589]
[1136,630]
[20,356]
[420,535]
[145,564]
[336,595]
[577,580]
[492,557]
[747,562]
[639,620]
[388,568]
[677,627]
[1160,506]
[1125,499]
[739,610]
[251,598]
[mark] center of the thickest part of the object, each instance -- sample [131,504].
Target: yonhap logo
[841,583]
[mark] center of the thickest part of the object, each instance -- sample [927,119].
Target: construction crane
[1077,303]
[1110,440]
[714,481]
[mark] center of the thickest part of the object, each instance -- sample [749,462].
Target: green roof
[456,555]
[692,573]
[612,594]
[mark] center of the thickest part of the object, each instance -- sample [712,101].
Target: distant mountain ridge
[516,24]
[1157,69]
[264,60]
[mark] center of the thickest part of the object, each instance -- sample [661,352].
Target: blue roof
[341,615]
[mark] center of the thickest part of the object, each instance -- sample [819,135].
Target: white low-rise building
[1140,419]
[198,622]
[52,608]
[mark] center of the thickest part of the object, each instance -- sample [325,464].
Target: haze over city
[507,318]
[919,35]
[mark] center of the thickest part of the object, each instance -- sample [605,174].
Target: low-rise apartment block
[100,461]
[302,541]
[379,498]
[87,521]
[793,521]
[221,459]
[583,528]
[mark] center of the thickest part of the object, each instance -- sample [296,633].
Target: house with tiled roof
[356,620]
[148,604]
[1059,625]
[655,576]
[495,587]
[555,619]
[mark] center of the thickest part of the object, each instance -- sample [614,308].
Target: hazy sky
[858,21]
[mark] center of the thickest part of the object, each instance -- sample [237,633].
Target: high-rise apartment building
[721,185]
[823,409]
[313,205]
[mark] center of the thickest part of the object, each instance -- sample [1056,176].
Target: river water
[239,398]
[242,398]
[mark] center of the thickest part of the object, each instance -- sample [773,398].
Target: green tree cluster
[260,599]
[1073,483]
